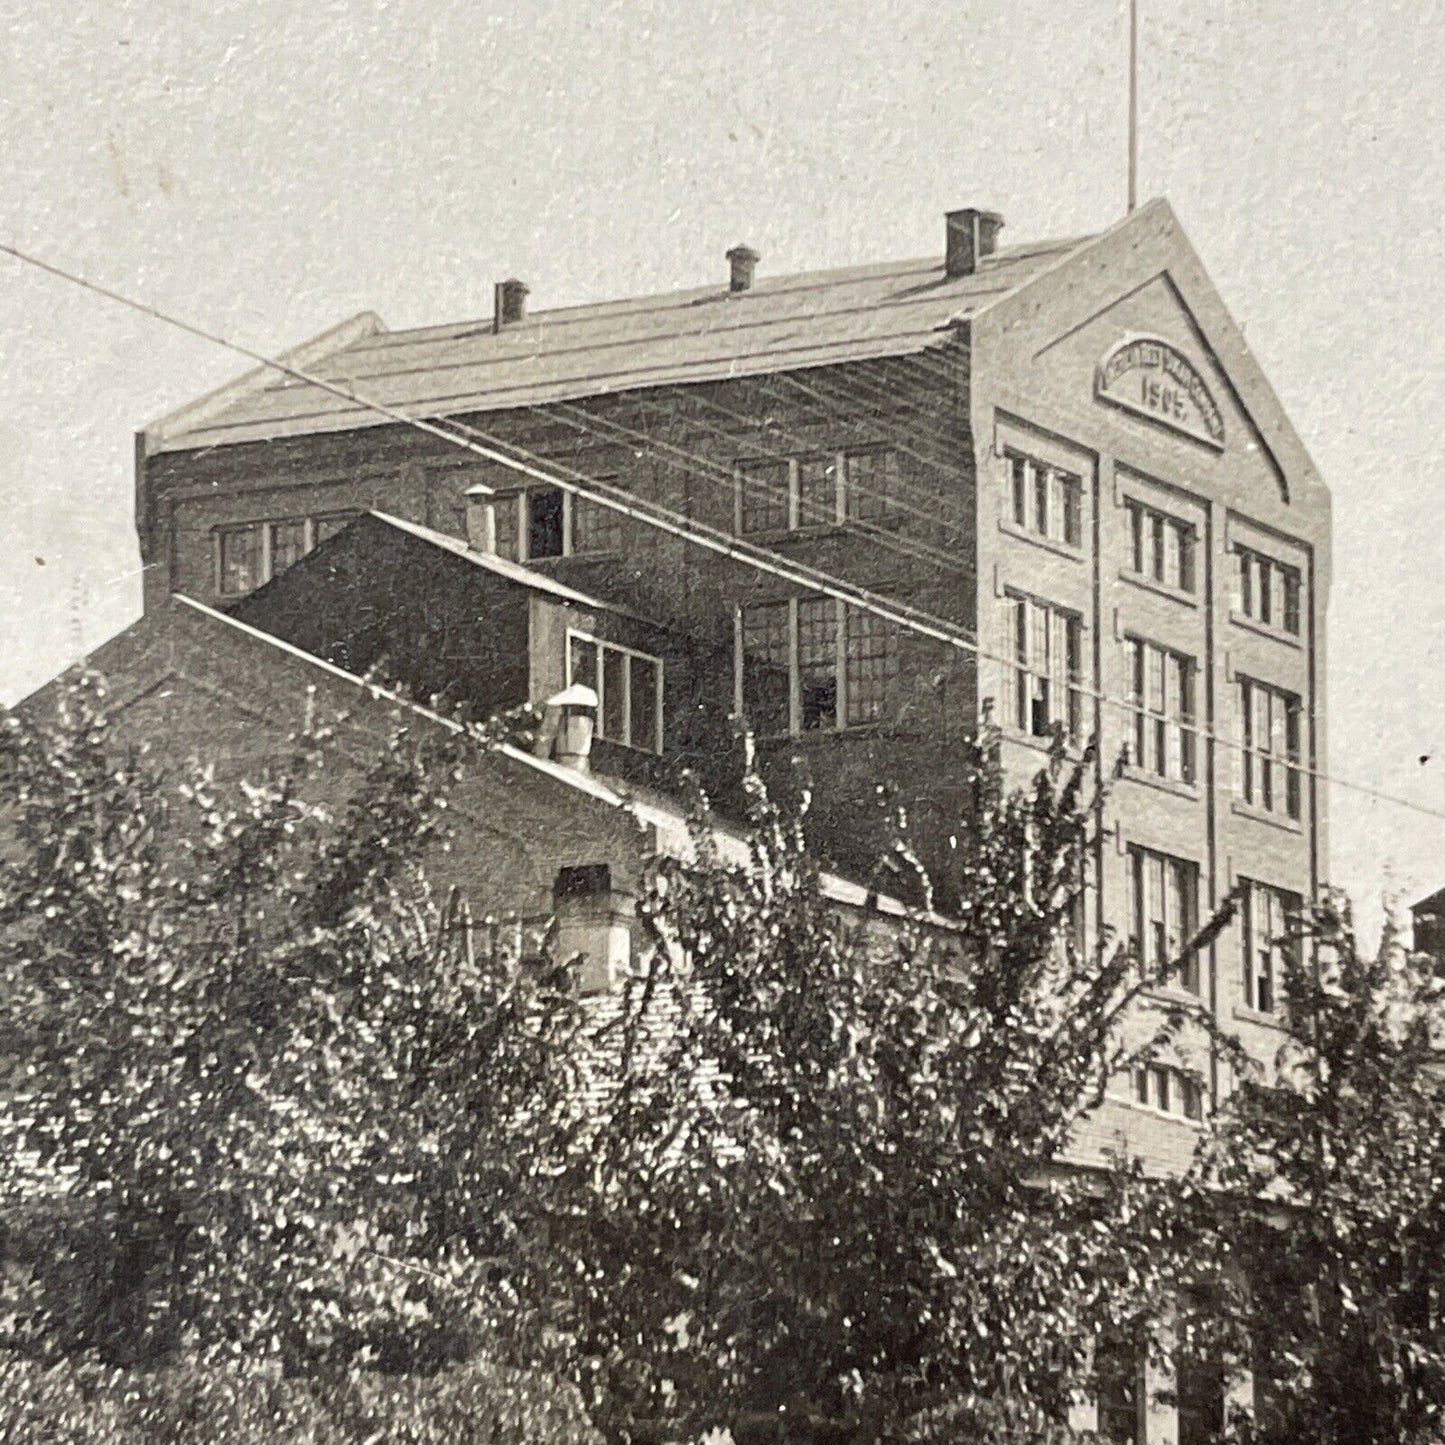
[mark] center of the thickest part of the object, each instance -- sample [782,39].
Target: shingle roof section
[708,334]
[517,572]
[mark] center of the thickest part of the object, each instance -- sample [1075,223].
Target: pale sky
[269,168]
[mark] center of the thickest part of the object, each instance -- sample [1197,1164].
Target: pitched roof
[517,572]
[667,820]
[1429,906]
[707,334]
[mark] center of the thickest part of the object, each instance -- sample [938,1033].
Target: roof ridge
[513,571]
[305,354]
[806,319]
[785,283]
[656,811]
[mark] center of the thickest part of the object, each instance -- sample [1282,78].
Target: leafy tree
[1325,1185]
[230,1402]
[265,1107]
[279,1140]
[823,1191]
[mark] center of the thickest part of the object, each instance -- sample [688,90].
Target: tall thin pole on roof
[1133,104]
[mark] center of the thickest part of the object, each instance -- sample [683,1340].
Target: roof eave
[195,414]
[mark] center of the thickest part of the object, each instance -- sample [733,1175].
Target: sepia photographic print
[721,723]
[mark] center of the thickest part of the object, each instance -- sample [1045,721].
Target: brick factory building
[1061,455]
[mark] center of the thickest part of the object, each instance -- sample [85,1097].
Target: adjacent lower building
[860,509]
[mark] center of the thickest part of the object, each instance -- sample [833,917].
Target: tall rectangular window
[240,559]
[628,685]
[1268,590]
[799,661]
[764,495]
[765,638]
[1045,500]
[817,490]
[1119,1391]
[1164,914]
[546,522]
[1199,1387]
[1270,757]
[871,484]
[1164,716]
[1162,547]
[289,543]
[1048,670]
[1264,932]
[871,648]
[614,696]
[509,525]
[817,663]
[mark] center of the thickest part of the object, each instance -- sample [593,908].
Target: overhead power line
[551,473]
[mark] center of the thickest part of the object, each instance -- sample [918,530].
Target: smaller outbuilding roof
[517,572]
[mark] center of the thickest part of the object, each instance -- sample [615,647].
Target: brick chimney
[742,261]
[509,303]
[594,927]
[971,236]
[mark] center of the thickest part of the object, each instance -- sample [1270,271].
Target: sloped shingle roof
[517,572]
[708,334]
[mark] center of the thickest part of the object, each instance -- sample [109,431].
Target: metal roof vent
[509,303]
[743,261]
[971,235]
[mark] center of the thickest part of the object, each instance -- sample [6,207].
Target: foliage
[1325,1184]
[283,1147]
[231,1403]
[265,1103]
[824,1184]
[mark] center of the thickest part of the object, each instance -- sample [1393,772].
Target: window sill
[629,749]
[1152,1112]
[821,735]
[1174,995]
[1265,629]
[1162,589]
[1072,750]
[1247,1015]
[1175,786]
[1049,544]
[814,531]
[1282,821]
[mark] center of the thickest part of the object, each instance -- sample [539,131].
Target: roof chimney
[481,519]
[972,235]
[509,303]
[743,260]
[569,720]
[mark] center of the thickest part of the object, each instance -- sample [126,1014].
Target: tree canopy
[289,1154]
[1324,1182]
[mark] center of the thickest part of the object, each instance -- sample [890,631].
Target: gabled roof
[708,334]
[1430,906]
[517,572]
[665,820]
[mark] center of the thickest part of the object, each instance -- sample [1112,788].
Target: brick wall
[677,447]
